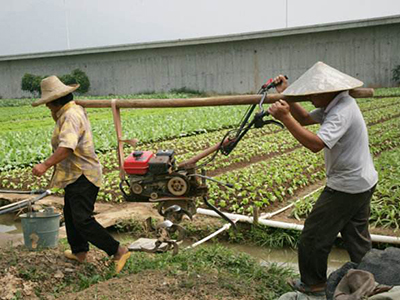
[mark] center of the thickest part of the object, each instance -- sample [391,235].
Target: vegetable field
[268,168]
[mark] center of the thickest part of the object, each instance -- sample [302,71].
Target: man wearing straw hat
[344,205]
[77,171]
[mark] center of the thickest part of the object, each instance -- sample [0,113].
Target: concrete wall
[367,50]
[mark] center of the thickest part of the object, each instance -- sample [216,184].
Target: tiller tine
[167,228]
[175,213]
[170,245]
[164,231]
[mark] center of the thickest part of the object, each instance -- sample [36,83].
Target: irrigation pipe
[284,225]
[270,215]
[223,228]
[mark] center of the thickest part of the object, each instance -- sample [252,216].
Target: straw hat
[52,88]
[321,78]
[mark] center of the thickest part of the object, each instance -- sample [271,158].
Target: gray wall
[237,64]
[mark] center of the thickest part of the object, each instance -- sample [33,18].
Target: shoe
[299,286]
[120,263]
[68,254]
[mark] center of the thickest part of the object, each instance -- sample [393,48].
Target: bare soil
[158,285]
[23,271]
[47,274]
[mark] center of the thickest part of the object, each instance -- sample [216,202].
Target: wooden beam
[210,101]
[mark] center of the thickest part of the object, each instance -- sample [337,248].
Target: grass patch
[264,236]
[245,233]
[242,270]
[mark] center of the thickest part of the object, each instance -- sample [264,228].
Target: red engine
[138,162]
[155,176]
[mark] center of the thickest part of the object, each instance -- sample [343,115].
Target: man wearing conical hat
[344,205]
[78,171]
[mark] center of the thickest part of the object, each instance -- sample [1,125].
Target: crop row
[286,172]
[192,144]
[268,145]
[17,116]
[366,104]
[267,181]
[26,147]
[256,142]
[385,205]
[29,145]
[384,136]
[276,177]
[266,141]
[17,152]
[393,91]
[26,117]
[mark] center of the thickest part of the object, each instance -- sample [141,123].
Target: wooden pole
[210,101]
[118,131]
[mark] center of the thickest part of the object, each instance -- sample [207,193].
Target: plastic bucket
[40,229]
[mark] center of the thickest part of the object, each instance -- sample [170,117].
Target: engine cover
[138,162]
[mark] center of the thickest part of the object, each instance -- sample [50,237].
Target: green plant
[87,281]
[31,83]
[265,236]
[135,227]
[396,74]
[77,76]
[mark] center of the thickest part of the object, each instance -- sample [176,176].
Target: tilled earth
[22,271]
[47,274]
[159,285]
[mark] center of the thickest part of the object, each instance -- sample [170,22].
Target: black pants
[334,212]
[80,224]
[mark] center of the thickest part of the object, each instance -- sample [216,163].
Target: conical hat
[52,88]
[321,78]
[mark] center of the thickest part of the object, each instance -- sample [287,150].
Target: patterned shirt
[73,131]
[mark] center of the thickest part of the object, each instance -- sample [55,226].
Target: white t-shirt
[348,161]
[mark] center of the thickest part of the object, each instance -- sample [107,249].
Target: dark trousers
[334,212]
[80,224]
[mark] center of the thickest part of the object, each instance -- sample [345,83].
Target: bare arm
[281,111]
[301,115]
[307,138]
[59,155]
